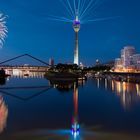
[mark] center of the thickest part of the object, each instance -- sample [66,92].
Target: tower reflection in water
[129,93]
[3,114]
[75,120]
[75,126]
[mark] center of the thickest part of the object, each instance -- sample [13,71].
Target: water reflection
[43,110]
[3,114]
[2,81]
[5,91]
[66,86]
[129,93]
[75,119]
[62,86]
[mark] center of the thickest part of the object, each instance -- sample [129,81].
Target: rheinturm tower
[76,27]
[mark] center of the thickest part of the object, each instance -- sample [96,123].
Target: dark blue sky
[31,32]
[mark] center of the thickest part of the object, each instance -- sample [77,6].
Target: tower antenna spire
[77,15]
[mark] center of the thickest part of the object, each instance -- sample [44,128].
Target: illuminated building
[81,65]
[51,62]
[136,61]
[118,63]
[76,27]
[129,61]
[97,62]
[127,53]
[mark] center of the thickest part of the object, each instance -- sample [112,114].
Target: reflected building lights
[7,79]
[98,83]
[112,85]
[126,93]
[81,82]
[118,87]
[105,83]
[123,96]
[138,89]
[129,93]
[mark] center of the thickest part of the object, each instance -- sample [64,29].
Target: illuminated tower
[76,27]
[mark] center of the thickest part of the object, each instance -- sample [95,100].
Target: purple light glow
[76,22]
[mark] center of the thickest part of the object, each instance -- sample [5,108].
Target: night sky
[30,31]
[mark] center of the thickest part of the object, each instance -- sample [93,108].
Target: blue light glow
[75,129]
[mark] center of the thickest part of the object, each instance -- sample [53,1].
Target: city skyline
[31,32]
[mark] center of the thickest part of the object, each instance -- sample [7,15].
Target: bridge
[28,55]
[24,69]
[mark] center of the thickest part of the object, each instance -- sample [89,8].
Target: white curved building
[129,61]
